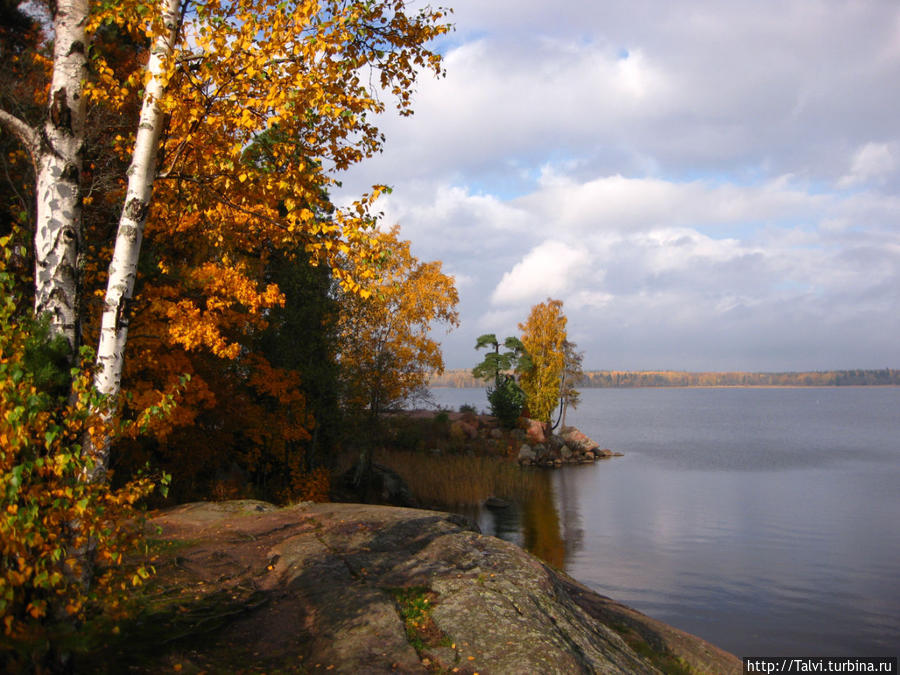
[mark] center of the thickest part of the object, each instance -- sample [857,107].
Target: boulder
[526,454]
[556,442]
[469,428]
[534,431]
[576,440]
[497,503]
[324,587]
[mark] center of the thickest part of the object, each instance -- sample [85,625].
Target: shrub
[63,539]
[507,400]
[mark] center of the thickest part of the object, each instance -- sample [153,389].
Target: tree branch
[26,134]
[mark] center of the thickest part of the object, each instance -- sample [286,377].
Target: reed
[449,480]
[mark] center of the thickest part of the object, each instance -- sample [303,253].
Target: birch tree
[305,71]
[130,232]
[543,334]
[56,149]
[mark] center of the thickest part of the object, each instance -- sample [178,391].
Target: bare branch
[27,135]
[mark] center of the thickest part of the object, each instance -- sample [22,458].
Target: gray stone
[315,585]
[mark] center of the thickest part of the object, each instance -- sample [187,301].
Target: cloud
[872,162]
[548,269]
[721,178]
[781,87]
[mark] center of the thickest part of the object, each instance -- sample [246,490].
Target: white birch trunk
[58,165]
[123,268]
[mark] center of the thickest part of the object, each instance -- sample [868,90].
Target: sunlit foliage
[385,346]
[54,523]
[544,336]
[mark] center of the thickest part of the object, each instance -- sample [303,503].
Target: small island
[529,443]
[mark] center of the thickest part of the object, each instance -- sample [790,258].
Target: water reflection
[505,520]
[568,505]
[548,524]
[766,521]
[533,523]
[541,527]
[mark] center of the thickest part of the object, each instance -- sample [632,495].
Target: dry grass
[462,480]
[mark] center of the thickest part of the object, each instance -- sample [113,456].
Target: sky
[706,185]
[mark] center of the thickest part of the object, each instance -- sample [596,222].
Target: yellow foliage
[385,348]
[544,336]
[49,513]
[288,73]
[265,103]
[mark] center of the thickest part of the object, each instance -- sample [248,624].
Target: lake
[766,521]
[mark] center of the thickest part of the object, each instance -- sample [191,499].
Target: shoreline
[715,386]
[360,588]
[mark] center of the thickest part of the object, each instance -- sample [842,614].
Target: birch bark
[58,165]
[141,175]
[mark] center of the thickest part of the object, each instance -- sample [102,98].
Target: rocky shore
[532,445]
[248,587]
[570,446]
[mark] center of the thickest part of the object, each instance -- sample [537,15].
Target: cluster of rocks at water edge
[569,446]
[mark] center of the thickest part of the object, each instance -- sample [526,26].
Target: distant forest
[672,378]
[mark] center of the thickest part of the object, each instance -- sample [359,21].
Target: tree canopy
[385,346]
[495,362]
[168,174]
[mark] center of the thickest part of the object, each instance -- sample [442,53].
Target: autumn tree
[199,218]
[385,348]
[241,70]
[218,75]
[544,337]
[49,512]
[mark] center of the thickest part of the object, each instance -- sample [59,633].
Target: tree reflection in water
[513,503]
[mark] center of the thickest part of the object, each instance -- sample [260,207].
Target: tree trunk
[141,176]
[58,164]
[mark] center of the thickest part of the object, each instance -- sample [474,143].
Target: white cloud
[872,162]
[548,269]
[461,280]
[620,203]
[690,159]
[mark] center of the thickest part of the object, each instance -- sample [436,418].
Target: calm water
[764,520]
